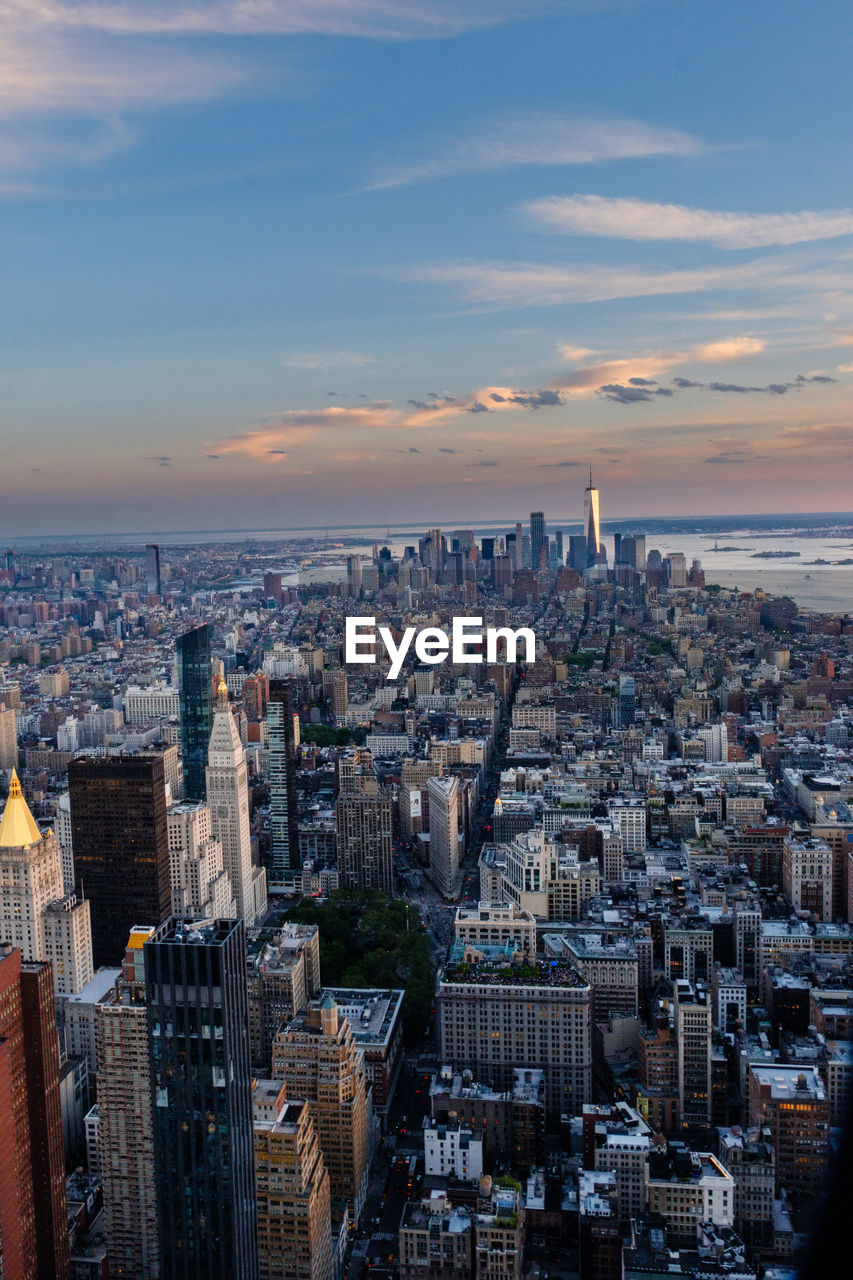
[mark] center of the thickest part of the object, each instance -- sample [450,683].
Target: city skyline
[268,261]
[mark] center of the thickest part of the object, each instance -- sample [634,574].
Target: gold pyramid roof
[18,827]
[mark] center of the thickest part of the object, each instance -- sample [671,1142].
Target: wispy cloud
[328,360]
[500,285]
[539,138]
[629,219]
[376,19]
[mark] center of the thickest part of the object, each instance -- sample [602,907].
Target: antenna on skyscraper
[590,475]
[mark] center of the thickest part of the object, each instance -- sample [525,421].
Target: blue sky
[282,262]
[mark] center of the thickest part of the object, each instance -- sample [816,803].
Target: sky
[279,263]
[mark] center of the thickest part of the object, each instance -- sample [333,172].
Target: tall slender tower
[591,521]
[152,569]
[201,1095]
[228,801]
[195,692]
[282,776]
[33,1226]
[537,538]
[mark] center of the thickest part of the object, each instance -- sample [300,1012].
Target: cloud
[329,360]
[494,286]
[451,450]
[295,424]
[373,19]
[540,138]
[633,394]
[733,457]
[490,463]
[629,219]
[568,352]
[542,398]
[815,377]
[567,462]
[477,407]
[845,368]
[412,449]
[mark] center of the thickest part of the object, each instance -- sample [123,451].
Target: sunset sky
[269,263]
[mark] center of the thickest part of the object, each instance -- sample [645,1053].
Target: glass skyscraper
[195,692]
[201,1083]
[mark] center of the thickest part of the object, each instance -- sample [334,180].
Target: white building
[36,913]
[201,888]
[228,801]
[443,796]
[629,816]
[452,1151]
[158,702]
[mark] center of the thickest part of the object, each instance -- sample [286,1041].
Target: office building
[152,569]
[284,854]
[363,827]
[688,1188]
[201,887]
[198,1037]
[121,845]
[792,1102]
[693,1027]
[283,972]
[317,1058]
[493,1018]
[444,823]
[292,1188]
[195,693]
[807,874]
[591,522]
[33,1225]
[537,539]
[125,1135]
[8,738]
[36,913]
[228,800]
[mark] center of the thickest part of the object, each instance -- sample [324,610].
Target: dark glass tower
[121,843]
[152,569]
[201,1082]
[537,538]
[195,692]
[284,857]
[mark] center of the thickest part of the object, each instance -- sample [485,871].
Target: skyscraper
[195,692]
[294,1208]
[443,796]
[317,1058]
[152,569]
[284,857]
[33,1226]
[125,1132]
[591,521]
[201,1094]
[228,800]
[121,845]
[38,916]
[537,538]
[363,825]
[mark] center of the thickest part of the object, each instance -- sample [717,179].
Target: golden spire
[18,829]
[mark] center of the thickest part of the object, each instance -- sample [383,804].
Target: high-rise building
[125,1124]
[201,887]
[121,845]
[33,1225]
[292,1186]
[317,1058]
[494,1017]
[591,521]
[792,1102]
[807,874]
[537,538]
[195,692]
[578,552]
[354,576]
[228,800]
[693,1026]
[36,913]
[198,1037]
[363,825]
[8,737]
[443,796]
[152,569]
[273,588]
[284,854]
